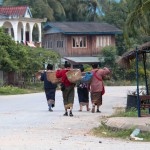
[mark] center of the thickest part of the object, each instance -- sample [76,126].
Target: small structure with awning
[140,54]
[83,60]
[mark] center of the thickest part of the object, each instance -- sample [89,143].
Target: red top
[62,74]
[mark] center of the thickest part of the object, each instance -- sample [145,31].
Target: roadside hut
[139,54]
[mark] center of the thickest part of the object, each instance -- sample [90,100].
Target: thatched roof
[128,56]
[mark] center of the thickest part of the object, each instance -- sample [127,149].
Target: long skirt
[83,96]
[50,96]
[68,97]
[96,98]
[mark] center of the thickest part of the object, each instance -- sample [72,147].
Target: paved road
[25,124]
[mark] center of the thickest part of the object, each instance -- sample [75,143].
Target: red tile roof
[13,10]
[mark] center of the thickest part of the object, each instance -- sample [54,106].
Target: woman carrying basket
[83,93]
[49,88]
[97,86]
[67,89]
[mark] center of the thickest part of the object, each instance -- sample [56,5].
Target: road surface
[26,124]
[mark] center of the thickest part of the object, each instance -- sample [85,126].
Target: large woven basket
[74,75]
[51,76]
[108,76]
[38,74]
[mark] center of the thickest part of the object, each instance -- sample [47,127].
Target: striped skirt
[68,97]
[96,98]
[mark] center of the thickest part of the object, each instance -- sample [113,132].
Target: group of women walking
[95,88]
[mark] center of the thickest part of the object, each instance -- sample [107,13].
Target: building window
[60,44]
[46,44]
[12,32]
[102,41]
[50,44]
[21,34]
[79,41]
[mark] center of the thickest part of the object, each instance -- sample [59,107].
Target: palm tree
[139,16]
[58,10]
[91,7]
[71,8]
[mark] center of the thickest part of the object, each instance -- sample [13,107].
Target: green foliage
[87,67]
[115,13]
[8,50]
[109,54]
[72,10]
[139,17]
[34,60]
[50,9]
[90,8]
[42,10]
[132,112]
[10,90]
[130,16]
[105,131]
[120,45]
[23,59]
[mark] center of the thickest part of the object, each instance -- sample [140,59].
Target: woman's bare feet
[88,109]
[93,109]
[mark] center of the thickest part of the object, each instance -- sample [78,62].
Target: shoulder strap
[97,76]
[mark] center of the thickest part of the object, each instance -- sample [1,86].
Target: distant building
[19,24]
[79,39]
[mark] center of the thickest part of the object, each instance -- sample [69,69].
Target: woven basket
[51,76]
[107,77]
[74,75]
[38,74]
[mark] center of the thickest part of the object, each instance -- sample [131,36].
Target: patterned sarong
[96,98]
[68,97]
[83,96]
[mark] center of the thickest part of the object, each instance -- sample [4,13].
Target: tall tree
[56,6]
[71,8]
[50,9]
[139,16]
[92,9]
[41,9]
[115,13]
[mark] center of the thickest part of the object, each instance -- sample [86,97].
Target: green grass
[10,90]
[104,131]
[29,88]
[133,112]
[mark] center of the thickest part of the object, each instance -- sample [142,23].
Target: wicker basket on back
[108,76]
[74,75]
[51,76]
[38,74]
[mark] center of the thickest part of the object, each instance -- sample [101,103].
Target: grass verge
[104,131]
[132,112]
[10,90]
